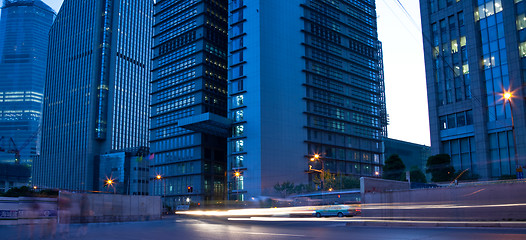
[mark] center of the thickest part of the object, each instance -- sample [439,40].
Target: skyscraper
[305,78]
[475,51]
[189,101]
[24,27]
[97,89]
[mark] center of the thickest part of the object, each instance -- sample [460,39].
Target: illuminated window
[465,69]
[462,41]
[521,22]
[454,46]
[522,49]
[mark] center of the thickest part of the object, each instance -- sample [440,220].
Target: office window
[521,21]
[522,49]
[454,46]
[237,101]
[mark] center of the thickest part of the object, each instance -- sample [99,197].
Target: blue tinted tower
[97,89]
[24,27]
[305,78]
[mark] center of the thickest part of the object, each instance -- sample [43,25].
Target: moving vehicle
[337,211]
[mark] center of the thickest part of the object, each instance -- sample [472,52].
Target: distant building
[97,89]
[475,51]
[413,155]
[128,171]
[13,175]
[24,27]
[305,78]
[189,101]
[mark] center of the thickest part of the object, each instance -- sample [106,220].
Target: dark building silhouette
[189,101]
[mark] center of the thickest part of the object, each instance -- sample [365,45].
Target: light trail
[361,220]
[311,209]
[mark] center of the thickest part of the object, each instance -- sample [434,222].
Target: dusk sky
[403,69]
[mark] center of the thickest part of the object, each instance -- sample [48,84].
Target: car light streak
[362,220]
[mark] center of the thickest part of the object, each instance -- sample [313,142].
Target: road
[188,228]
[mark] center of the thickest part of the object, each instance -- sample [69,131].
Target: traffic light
[190,189]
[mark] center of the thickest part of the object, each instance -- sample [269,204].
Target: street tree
[417,175]
[394,168]
[284,189]
[440,168]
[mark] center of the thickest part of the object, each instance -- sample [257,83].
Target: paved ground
[188,228]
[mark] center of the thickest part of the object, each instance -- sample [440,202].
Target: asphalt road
[188,228]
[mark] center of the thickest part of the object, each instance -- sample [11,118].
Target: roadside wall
[368,185]
[27,210]
[84,208]
[497,201]
[79,208]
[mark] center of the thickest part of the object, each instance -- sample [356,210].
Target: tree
[394,168]
[284,189]
[417,175]
[440,168]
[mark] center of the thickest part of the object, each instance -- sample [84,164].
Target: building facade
[305,78]
[475,51]
[97,89]
[413,155]
[189,101]
[24,27]
[126,171]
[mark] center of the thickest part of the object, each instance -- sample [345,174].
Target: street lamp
[160,178]
[109,183]
[322,171]
[507,98]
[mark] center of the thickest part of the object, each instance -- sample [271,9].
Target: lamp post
[507,98]
[160,178]
[322,171]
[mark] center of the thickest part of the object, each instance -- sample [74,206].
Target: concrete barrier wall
[27,210]
[79,208]
[504,201]
[84,208]
[368,185]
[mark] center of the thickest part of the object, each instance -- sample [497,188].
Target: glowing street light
[507,96]
[158,177]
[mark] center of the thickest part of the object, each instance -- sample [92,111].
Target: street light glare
[507,96]
[317,156]
[237,174]
[158,176]
[110,182]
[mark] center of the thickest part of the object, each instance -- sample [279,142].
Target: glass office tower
[189,101]
[97,89]
[24,27]
[475,52]
[305,78]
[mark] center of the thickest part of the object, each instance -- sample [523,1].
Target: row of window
[178,54]
[456,120]
[174,156]
[178,19]
[173,143]
[175,104]
[158,121]
[177,31]
[174,79]
[175,92]
[175,67]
